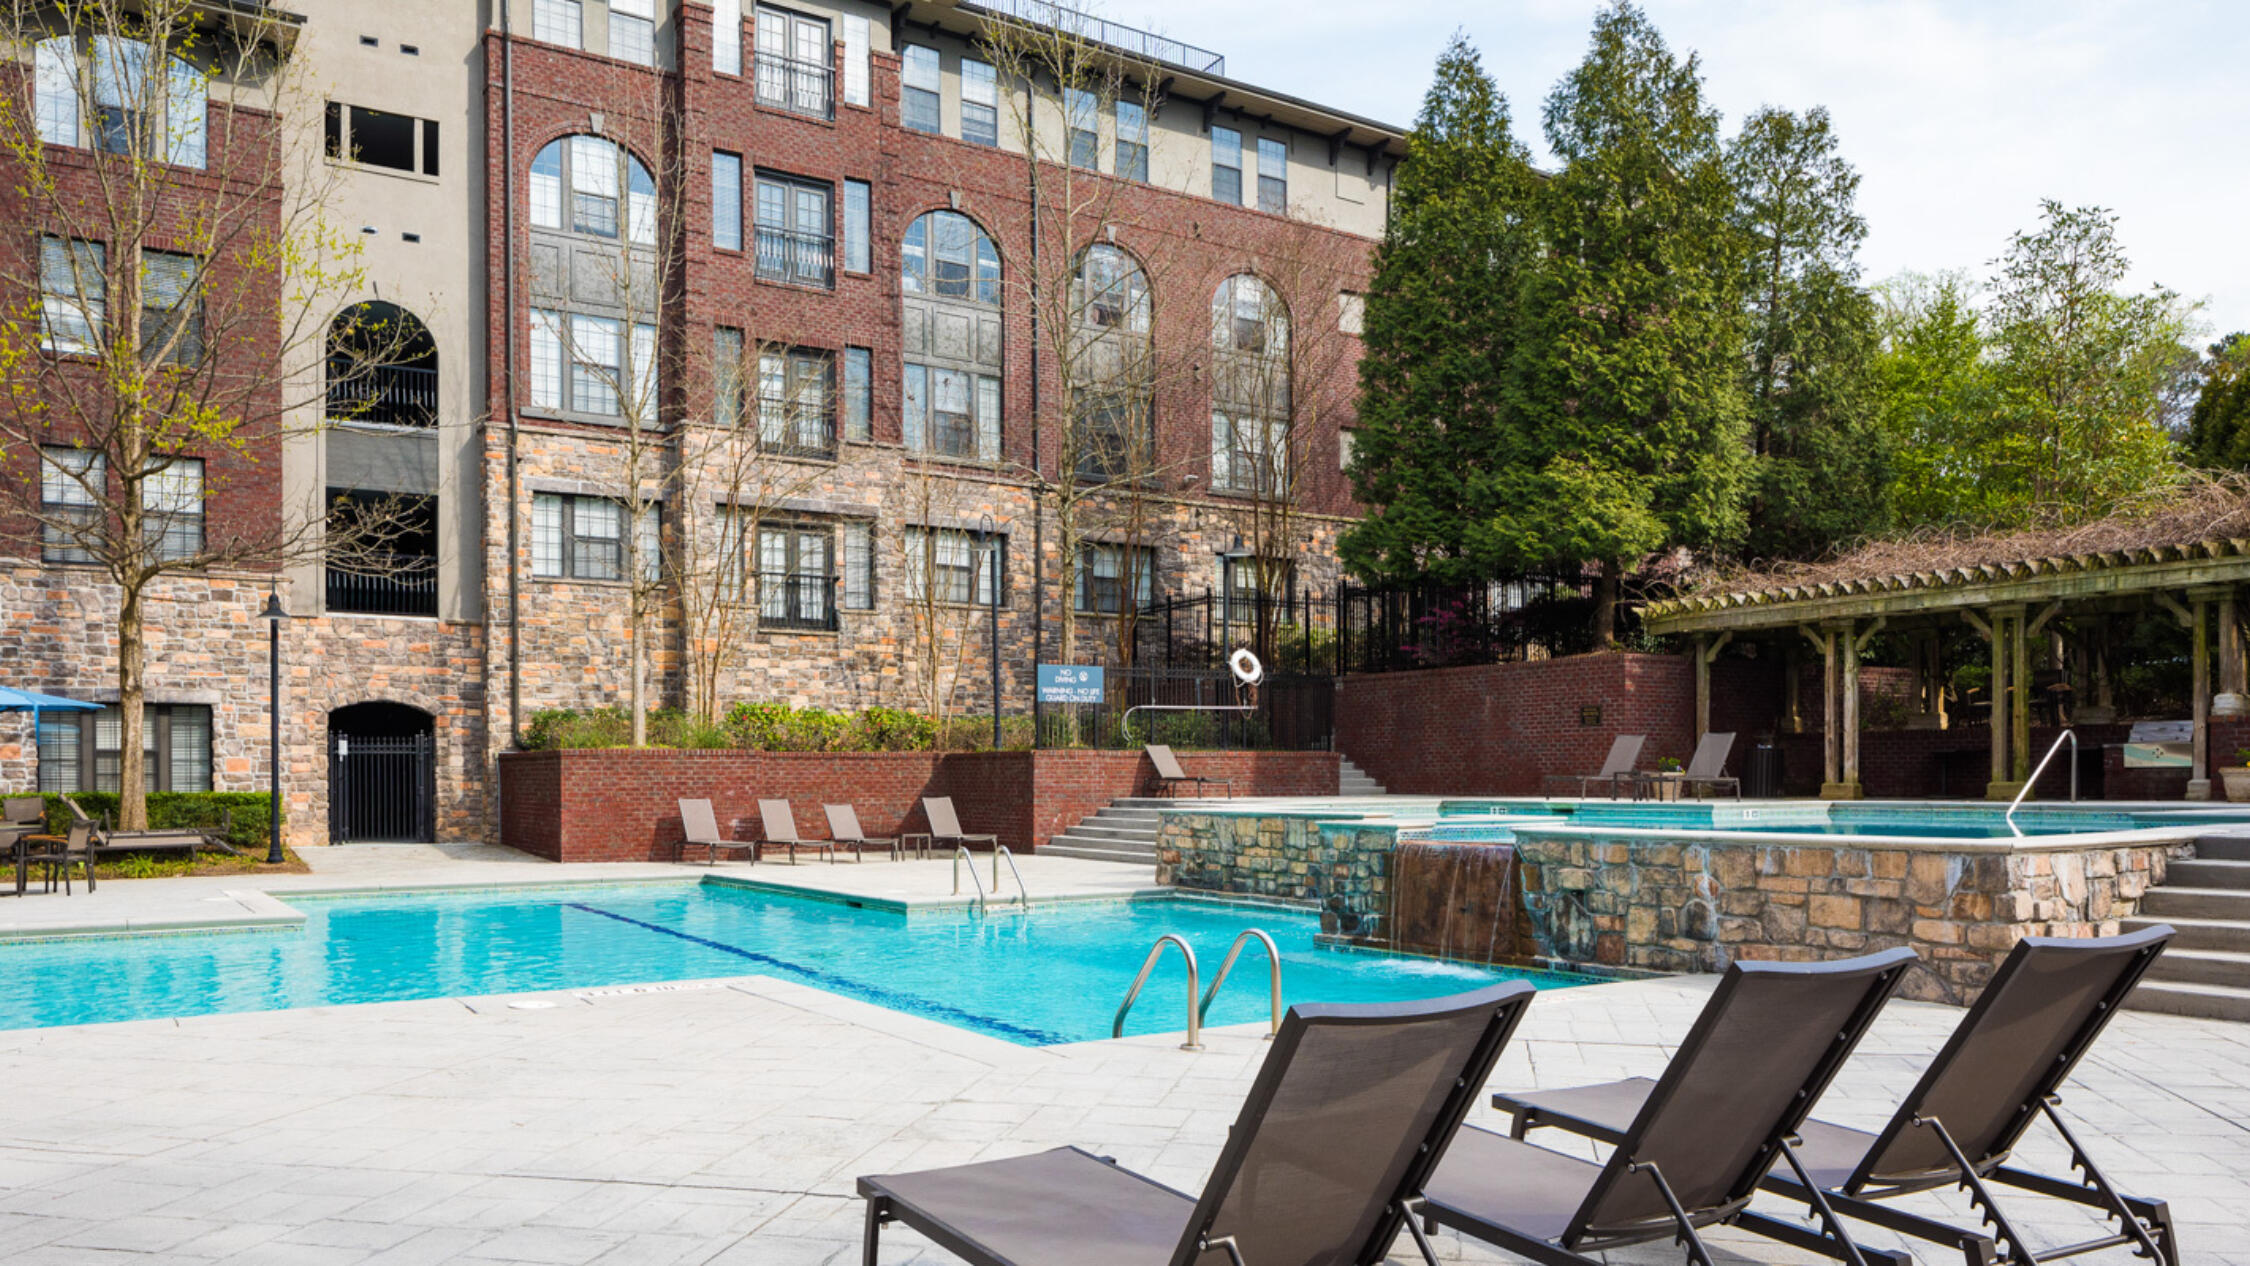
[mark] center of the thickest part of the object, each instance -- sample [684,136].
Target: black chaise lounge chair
[1616,771]
[1724,1112]
[2003,1066]
[1349,1113]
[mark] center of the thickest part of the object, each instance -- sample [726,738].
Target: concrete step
[2211,1002]
[2202,967]
[1355,781]
[1150,817]
[2230,936]
[1064,846]
[2223,848]
[2169,900]
[1095,828]
[2207,873]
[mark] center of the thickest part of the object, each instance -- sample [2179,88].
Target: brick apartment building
[772,306]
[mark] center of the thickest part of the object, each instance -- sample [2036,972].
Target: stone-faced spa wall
[1342,868]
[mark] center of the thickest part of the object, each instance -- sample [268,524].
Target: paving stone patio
[724,1122]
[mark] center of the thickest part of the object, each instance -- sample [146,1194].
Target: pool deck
[723,1122]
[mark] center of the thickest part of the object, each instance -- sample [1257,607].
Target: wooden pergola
[2007,604]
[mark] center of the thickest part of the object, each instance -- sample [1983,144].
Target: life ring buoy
[1247,670]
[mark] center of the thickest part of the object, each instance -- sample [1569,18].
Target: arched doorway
[382,775]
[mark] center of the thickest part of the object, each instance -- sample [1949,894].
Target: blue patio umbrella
[31,701]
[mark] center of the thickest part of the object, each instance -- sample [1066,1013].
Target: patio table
[22,850]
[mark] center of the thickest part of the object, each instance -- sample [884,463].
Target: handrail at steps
[2033,781]
[1023,890]
[1194,1018]
[960,854]
[1273,977]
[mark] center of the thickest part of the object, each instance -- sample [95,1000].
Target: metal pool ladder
[1273,977]
[961,853]
[2033,781]
[1194,1015]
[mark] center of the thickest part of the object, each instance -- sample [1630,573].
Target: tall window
[795,241]
[726,36]
[1250,388]
[587,364]
[1246,582]
[947,255]
[859,394]
[919,82]
[73,289]
[952,412]
[856,45]
[122,97]
[793,68]
[1132,140]
[172,502]
[559,22]
[1111,290]
[1107,573]
[796,576]
[81,751]
[858,248]
[632,31]
[1273,176]
[980,103]
[859,567]
[951,398]
[796,410]
[73,487]
[1114,435]
[590,186]
[1081,117]
[957,566]
[171,308]
[583,538]
[1226,165]
[726,200]
[727,373]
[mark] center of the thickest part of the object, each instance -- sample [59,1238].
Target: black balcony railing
[799,87]
[788,600]
[800,259]
[787,433]
[393,395]
[403,584]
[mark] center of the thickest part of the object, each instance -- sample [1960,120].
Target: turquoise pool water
[1055,974]
[1497,820]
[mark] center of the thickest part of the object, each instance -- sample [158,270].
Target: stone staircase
[2206,969]
[1357,783]
[1124,831]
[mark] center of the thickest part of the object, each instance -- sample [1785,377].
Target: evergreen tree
[1938,397]
[1822,469]
[1629,437]
[2219,427]
[1440,328]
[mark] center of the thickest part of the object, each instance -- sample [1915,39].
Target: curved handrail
[961,853]
[1273,976]
[1023,890]
[1195,1018]
[2033,781]
[1125,723]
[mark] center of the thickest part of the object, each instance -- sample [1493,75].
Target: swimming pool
[1498,820]
[1054,974]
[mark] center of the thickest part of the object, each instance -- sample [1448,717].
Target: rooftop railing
[1127,39]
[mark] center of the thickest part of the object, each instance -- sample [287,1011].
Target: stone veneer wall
[1343,868]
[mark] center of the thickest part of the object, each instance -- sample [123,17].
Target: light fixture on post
[992,560]
[273,615]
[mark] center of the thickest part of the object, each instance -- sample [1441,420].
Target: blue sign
[1069,683]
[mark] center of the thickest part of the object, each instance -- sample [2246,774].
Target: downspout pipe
[1038,464]
[508,365]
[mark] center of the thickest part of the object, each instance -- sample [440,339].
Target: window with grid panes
[632,31]
[793,69]
[796,414]
[727,382]
[726,36]
[957,566]
[1273,176]
[1250,388]
[559,22]
[796,576]
[575,188]
[919,82]
[73,289]
[1107,573]
[1226,165]
[121,97]
[1081,115]
[859,247]
[171,309]
[857,592]
[587,364]
[726,200]
[583,538]
[795,242]
[172,501]
[83,751]
[857,43]
[951,394]
[73,485]
[859,394]
[1132,140]
[980,102]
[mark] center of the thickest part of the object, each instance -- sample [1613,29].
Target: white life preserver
[1246,667]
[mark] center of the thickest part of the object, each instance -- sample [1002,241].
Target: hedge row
[775,727]
[244,812]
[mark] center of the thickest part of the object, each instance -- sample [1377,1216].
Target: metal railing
[1118,36]
[1194,1015]
[387,395]
[799,259]
[1023,890]
[1535,615]
[795,433]
[800,87]
[787,600]
[1273,976]
[961,854]
[405,585]
[2070,736]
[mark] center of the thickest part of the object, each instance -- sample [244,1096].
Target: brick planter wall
[618,804]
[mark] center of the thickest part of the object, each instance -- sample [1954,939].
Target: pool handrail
[2033,781]
[960,854]
[1023,890]
[1273,976]
[1194,1017]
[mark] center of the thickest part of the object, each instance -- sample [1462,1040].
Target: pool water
[1498,820]
[1055,974]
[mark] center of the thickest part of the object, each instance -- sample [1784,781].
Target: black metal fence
[402,585]
[1538,616]
[1195,708]
[382,789]
[1294,635]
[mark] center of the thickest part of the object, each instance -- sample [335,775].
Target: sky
[1961,115]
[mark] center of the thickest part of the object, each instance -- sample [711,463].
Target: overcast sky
[1960,114]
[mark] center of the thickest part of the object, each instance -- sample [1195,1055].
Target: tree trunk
[1605,605]
[132,694]
[634,694]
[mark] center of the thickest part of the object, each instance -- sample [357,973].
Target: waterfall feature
[1455,900]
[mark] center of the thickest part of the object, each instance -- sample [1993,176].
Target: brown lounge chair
[28,812]
[844,832]
[699,828]
[2003,1067]
[1616,770]
[1707,768]
[1725,1111]
[1350,1111]
[945,825]
[76,849]
[780,823]
[1169,775]
[187,839]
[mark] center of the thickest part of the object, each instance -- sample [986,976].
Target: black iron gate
[382,790]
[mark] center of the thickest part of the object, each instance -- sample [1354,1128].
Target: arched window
[1111,290]
[1110,367]
[591,186]
[1250,389]
[382,367]
[121,96]
[950,283]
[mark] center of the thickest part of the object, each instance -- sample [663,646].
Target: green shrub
[244,812]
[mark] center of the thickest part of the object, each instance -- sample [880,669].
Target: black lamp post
[992,560]
[273,615]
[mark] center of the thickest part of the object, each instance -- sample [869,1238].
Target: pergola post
[2199,616]
[1831,752]
[2019,707]
[1701,651]
[2230,701]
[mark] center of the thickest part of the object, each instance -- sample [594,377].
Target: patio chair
[699,828]
[2002,1068]
[945,827]
[29,812]
[1704,769]
[75,849]
[1169,775]
[188,839]
[1725,1111]
[844,832]
[1616,770]
[1350,1110]
[780,829]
